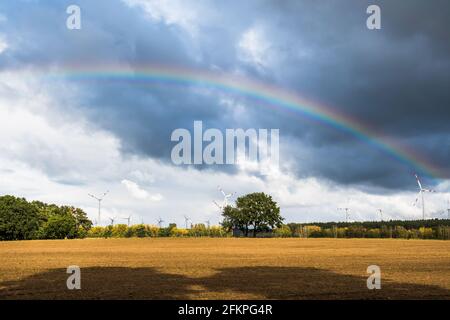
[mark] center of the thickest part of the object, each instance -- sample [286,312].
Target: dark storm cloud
[396,80]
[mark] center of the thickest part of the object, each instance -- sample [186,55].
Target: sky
[64,136]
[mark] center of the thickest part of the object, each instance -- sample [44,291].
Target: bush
[400,232]
[426,233]
[356,232]
[138,230]
[374,233]
[217,231]
[313,231]
[283,232]
[198,230]
[121,231]
[175,232]
[96,232]
[151,231]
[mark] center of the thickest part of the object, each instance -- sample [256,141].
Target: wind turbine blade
[417,199]
[221,190]
[418,182]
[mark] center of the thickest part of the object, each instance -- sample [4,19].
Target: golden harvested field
[172,268]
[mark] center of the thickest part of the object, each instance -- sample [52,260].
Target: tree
[81,219]
[256,210]
[233,218]
[19,219]
[62,222]
[59,227]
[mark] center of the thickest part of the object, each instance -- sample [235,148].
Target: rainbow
[269,94]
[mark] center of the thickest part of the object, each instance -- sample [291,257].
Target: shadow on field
[227,283]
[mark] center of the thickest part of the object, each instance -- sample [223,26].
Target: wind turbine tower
[99,199]
[128,220]
[381,214]
[448,209]
[112,220]
[186,221]
[421,195]
[347,215]
[160,221]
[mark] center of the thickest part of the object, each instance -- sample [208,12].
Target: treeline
[23,220]
[407,224]
[145,230]
[425,229]
[441,232]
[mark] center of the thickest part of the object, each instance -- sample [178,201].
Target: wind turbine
[208,223]
[186,220]
[160,221]
[381,213]
[448,209]
[226,197]
[128,219]
[347,215]
[99,199]
[421,194]
[112,220]
[218,205]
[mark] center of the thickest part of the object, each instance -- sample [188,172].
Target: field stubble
[206,268]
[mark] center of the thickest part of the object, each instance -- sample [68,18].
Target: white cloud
[254,48]
[3,44]
[175,12]
[35,130]
[156,197]
[137,192]
[143,175]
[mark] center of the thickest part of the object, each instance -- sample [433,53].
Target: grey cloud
[396,79]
